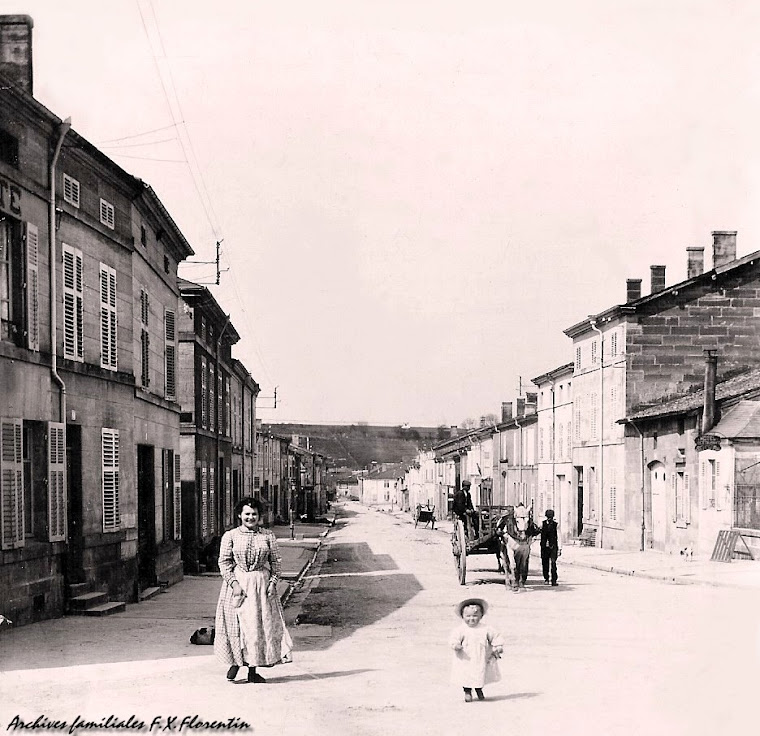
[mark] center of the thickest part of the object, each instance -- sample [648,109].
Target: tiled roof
[744,383]
[741,421]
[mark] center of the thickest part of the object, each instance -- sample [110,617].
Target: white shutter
[56,482]
[718,487]
[177,497]
[674,495]
[108,318]
[686,499]
[170,352]
[212,498]
[11,483]
[204,500]
[72,303]
[703,484]
[32,288]
[110,479]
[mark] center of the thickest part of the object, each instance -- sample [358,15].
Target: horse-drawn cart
[425,514]
[485,540]
[504,531]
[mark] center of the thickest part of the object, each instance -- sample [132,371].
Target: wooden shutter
[56,482]
[110,479]
[212,498]
[204,499]
[686,499]
[170,352]
[718,487]
[177,497]
[674,495]
[11,483]
[108,318]
[72,303]
[144,338]
[32,288]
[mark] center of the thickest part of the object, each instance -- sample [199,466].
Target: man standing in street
[551,547]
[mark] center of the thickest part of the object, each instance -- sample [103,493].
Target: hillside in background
[357,445]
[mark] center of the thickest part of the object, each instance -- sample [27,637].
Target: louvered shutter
[170,352]
[56,482]
[686,499]
[212,498]
[32,288]
[718,487]
[12,483]
[674,495]
[204,500]
[108,318]
[110,479]
[72,303]
[177,497]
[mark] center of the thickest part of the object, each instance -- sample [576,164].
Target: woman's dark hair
[254,503]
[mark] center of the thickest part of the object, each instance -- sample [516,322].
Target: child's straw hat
[471,602]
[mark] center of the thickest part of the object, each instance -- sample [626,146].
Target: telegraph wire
[137,135]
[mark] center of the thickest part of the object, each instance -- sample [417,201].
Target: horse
[516,529]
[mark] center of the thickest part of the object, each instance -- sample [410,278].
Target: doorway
[146,517]
[658,505]
[75,548]
[579,498]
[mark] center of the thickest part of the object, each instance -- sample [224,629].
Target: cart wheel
[461,560]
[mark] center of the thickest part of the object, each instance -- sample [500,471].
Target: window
[110,479]
[227,422]
[11,483]
[170,354]
[613,344]
[108,319]
[560,441]
[204,499]
[594,355]
[682,497]
[172,493]
[144,338]
[612,504]
[19,283]
[541,443]
[578,358]
[70,190]
[73,303]
[212,498]
[107,213]
[9,149]
[211,398]
[167,264]
[593,416]
[143,235]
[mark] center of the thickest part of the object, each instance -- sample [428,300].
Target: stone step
[149,593]
[76,589]
[87,600]
[105,609]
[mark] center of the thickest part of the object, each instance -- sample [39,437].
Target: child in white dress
[477,649]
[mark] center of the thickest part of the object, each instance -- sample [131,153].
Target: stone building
[88,411]
[644,352]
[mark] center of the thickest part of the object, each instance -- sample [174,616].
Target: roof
[554,373]
[191,289]
[742,421]
[645,301]
[741,385]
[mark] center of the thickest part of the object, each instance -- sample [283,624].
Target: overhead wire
[137,135]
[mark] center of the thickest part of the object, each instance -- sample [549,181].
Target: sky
[416,197]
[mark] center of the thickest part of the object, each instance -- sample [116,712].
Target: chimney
[506,411]
[531,402]
[16,50]
[519,406]
[633,290]
[724,247]
[695,261]
[483,420]
[658,278]
[709,411]
[453,431]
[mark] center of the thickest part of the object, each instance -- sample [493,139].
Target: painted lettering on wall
[10,198]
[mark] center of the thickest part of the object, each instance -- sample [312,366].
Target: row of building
[128,430]
[648,437]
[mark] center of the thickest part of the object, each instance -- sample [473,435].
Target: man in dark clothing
[551,547]
[462,506]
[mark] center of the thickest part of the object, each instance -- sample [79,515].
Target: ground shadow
[305,676]
[355,588]
[512,696]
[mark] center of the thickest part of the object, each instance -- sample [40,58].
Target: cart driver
[463,508]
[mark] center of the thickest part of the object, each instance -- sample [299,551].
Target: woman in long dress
[250,627]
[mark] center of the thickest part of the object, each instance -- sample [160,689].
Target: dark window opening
[9,149]
[166,264]
[143,235]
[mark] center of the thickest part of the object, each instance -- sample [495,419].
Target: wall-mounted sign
[10,198]
[707,442]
